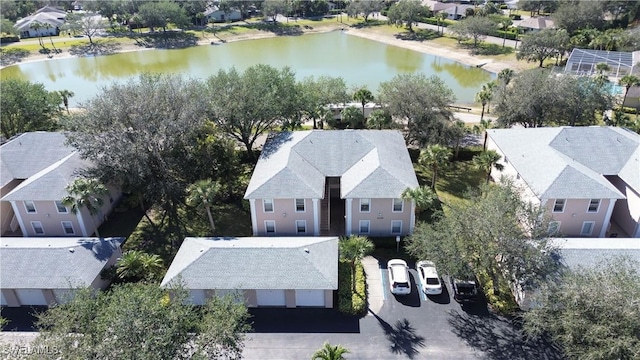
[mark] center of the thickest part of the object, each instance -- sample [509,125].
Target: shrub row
[504,302]
[349,302]
[9,39]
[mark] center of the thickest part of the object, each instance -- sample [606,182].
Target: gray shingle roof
[371,163]
[566,162]
[589,252]
[50,263]
[30,153]
[256,263]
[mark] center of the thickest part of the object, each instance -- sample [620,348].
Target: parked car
[429,278]
[399,281]
[464,290]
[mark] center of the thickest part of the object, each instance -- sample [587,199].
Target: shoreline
[462,57]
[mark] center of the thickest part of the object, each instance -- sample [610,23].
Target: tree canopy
[84,24]
[405,12]
[541,45]
[475,28]
[142,321]
[591,312]
[27,106]
[422,103]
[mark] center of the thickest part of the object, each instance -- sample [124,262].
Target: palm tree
[203,193]
[483,97]
[49,27]
[353,249]
[504,25]
[440,16]
[436,158]
[628,81]
[482,129]
[486,161]
[135,265]
[602,67]
[423,197]
[505,75]
[37,26]
[65,95]
[329,352]
[379,119]
[85,193]
[490,87]
[363,95]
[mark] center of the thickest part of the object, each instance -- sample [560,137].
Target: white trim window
[587,228]
[364,227]
[67,227]
[558,205]
[594,206]
[300,205]
[30,207]
[301,226]
[396,227]
[554,228]
[365,205]
[37,227]
[267,205]
[61,208]
[269,227]
[398,205]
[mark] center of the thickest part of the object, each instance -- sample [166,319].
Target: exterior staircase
[324,210]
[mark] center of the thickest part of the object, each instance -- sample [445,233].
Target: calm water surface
[359,61]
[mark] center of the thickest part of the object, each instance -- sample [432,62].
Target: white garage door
[3,301]
[63,296]
[31,297]
[197,297]
[310,298]
[270,297]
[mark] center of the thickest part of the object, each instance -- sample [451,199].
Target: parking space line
[384,287]
[419,286]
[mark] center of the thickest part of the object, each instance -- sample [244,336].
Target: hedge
[349,302]
[9,39]
[505,302]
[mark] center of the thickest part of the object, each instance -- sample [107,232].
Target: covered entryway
[31,297]
[270,298]
[310,298]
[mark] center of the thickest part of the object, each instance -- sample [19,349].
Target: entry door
[270,298]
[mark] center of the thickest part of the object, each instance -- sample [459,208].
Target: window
[268,205]
[30,206]
[300,205]
[364,226]
[587,227]
[554,228]
[397,205]
[61,208]
[270,226]
[396,226]
[301,226]
[558,206]
[37,227]
[67,226]
[365,205]
[594,205]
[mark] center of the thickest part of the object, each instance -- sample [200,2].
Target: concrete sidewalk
[375,292]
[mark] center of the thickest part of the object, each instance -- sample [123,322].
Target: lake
[360,62]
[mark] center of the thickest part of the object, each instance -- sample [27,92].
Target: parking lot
[413,326]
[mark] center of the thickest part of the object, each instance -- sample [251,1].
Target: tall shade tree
[86,24]
[7,26]
[353,249]
[364,8]
[85,194]
[436,158]
[135,265]
[495,232]
[573,15]
[27,106]
[272,8]
[65,95]
[475,28]
[142,135]
[319,92]
[363,96]
[330,352]
[203,194]
[421,104]
[142,321]
[486,161]
[248,105]
[405,12]
[541,45]
[161,13]
[592,313]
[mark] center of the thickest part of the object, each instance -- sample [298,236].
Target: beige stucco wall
[284,214]
[380,216]
[627,211]
[6,212]
[328,299]
[575,213]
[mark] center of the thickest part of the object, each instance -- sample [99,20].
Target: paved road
[414,327]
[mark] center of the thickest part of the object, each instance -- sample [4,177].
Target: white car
[429,278]
[399,281]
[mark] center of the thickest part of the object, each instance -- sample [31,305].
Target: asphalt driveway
[413,326]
